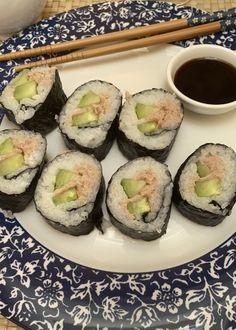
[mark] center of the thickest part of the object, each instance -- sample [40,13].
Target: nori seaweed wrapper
[132,150]
[85,227]
[44,120]
[193,213]
[138,234]
[162,214]
[18,202]
[99,152]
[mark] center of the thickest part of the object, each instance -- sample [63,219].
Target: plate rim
[205,256]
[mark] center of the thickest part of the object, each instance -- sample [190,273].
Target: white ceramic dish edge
[200,51]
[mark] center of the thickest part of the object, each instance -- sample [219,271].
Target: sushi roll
[149,122]
[33,98]
[139,198]
[70,192]
[88,121]
[205,184]
[22,156]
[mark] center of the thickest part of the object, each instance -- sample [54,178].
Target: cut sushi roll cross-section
[21,159]
[70,191]
[33,98]
[139,198]
[205,184]
[88,121]
[149,122]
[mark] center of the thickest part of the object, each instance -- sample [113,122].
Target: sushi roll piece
[88,121]
[22,156]
[205,184]
[149,122]
[70,192]
[139,198]
[33,98]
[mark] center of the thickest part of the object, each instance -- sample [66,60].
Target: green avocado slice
[11,164]
[26,90]
[149,127]
[89,99]
[65,197]
[208,188]
[6,146]
[202,169]
[84,118]
[64,176]
[132,187]
[140,207]
[143,110]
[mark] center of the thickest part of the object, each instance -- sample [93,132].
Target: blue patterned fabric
[206,18]
[41,290]
[228,24]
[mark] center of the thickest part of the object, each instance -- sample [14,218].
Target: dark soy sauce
[207,80]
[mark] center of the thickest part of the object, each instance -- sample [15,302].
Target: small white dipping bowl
[191,53]
[17,14]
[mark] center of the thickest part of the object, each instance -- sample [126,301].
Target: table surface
[56,6]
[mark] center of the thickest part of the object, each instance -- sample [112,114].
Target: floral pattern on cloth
[43,291]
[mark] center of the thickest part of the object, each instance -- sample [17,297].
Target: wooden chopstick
[138,32]
[90,41]
[182,34]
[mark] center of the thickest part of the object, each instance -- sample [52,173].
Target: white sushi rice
[161,198]
[91,137]
[26,108]
[129,121]
[46,185]
[19,180]
[228,180]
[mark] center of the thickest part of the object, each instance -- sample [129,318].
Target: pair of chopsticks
[165,32]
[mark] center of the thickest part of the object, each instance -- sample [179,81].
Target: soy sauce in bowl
[207,80]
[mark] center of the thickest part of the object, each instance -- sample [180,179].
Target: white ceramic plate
[111,281]
[135,71]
